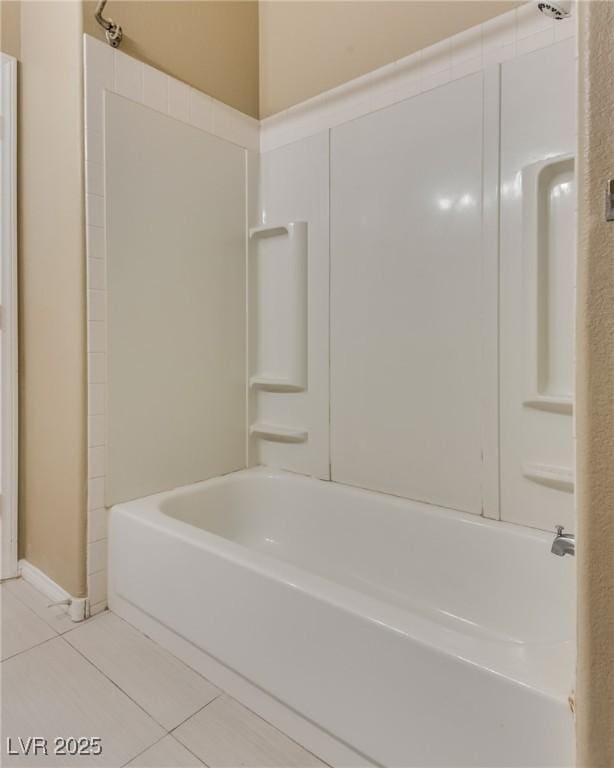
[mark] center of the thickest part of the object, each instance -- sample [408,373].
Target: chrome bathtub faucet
[564,543]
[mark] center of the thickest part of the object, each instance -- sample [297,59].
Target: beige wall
[263,62]
[47,38]
[211,45]
[308,47]
[595,392]
[10,21]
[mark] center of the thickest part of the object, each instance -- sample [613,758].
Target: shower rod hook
[113,31]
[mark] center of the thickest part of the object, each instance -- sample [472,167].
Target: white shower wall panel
[406,298]
[294,187]
[175,215]
[537,123]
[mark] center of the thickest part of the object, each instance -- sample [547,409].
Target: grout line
[198,711]
[38,616]
[176,740]
[275,728]
[134,757]
[158,645]
[31,648]
[161,647]
[119,688]
[200,760]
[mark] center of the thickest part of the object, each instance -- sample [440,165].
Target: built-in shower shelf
[274,385]
[560,478]
[550,403]
[278,434]
[547,274]
[259,233]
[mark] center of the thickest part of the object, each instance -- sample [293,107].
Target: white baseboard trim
[78,607]
[304,732]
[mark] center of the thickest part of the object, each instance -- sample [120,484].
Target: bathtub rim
[547,669]
[446,513]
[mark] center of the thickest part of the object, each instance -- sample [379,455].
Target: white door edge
[8,317]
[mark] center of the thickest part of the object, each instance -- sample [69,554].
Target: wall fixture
[556,9]
[609,200]
[113,32]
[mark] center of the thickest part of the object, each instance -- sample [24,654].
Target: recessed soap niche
[278,319]
[548,191]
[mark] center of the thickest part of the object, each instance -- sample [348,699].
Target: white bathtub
[414,635]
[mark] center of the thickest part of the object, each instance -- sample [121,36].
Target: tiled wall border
[106,69]
[512,34]
[503,38]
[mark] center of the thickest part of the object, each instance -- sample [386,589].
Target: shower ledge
[271,384]
[278,434]
[550,403]
[258,233]
[560,478]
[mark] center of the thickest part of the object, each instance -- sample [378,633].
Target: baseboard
[78,607]
[303,731]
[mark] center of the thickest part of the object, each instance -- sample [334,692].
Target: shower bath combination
[335,468]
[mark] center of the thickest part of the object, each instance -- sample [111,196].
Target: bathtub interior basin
[481,578]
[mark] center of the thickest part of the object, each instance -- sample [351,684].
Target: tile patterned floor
[103,678]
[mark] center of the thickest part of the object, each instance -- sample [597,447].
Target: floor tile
[225,733]
[167,753]
[165,687]
[56,616]
[21,627]
[52,691]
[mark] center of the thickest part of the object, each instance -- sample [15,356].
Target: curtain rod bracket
[113,32]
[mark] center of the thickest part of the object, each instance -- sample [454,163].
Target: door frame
[8,317]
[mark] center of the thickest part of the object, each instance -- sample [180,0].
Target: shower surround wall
[302,173]
[166,110]
[187,235]
[294,184]
[537,257]
[426,260]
